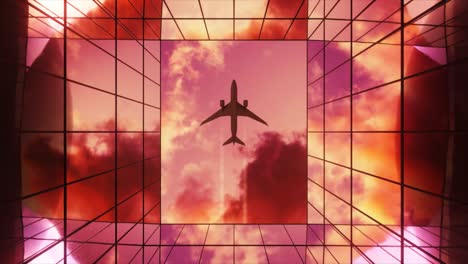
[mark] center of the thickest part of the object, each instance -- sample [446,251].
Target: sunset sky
[202,181]
[196,75]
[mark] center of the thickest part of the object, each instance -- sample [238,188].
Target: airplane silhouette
[233,109]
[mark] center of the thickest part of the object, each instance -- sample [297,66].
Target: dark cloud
[274,183]
[43,154]
[43,161]
[133,27]
[287,9]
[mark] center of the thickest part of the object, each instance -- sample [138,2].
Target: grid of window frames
[382,130]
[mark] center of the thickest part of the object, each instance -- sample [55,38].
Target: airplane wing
[225,111]
[243,111]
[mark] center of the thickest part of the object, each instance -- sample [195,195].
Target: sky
[196,75]
[225,182]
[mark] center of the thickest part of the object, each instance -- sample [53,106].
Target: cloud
[379,153]
[195,201]
[276,29]
[368,68]
[89,154]
[180,121]
[245,29]
[273,184]
[178,106]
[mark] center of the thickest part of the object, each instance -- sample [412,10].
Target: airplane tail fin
[234,140]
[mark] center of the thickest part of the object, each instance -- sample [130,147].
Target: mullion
[382,21]
[325,17]
[152,233]
[87,240]
[378,223]
[143,137]
[204,20]
[376,243]
[263,242]
[333,256]
[394,81]
[173,18]
[66,236]
[175,242]
[92,43]
[308,249]
[59,221]
[351,80]
[158,250]
[401,28]
[136,254]
[248,245]
[333,225]
[464,203]
[65,124]
[263,20]
[294,19]
[204,243]
[313,9]
[323,103]
[38,32]
[94,22]
[292,242]
[323,123]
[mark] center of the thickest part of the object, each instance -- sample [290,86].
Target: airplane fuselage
[234,103]
[234,109]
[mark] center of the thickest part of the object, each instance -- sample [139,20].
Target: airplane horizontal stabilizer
[234,140]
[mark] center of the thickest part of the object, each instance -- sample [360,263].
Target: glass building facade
[96,126]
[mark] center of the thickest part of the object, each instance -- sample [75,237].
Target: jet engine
[221,103]
[246,103]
